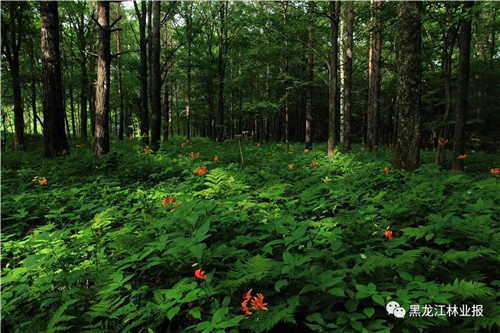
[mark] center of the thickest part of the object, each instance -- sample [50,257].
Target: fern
[455,256]
[282,313]
[254,269]
[59,318]
[468,289]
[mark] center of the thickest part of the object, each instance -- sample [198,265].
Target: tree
[310,77]
[103,80]
[374,76]
[464,40]
[189,38]
[332,77]
[53,111]
[285,59]
[221,66]
[348,76]
[12,34]
[155,78]
[407,153]
[119,74]
[141,17]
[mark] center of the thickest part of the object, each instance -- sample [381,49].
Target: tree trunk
[53,112]
[332,84]
[72,106]
[155,78]
[189,19]
[119,74]
[348,76]
[407,153]
[221,68]
[462,88]
[374,76]
[33,86]
[103,82]
[144,123]
[310,65]
[285,61]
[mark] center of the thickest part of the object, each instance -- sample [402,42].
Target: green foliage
[95,250]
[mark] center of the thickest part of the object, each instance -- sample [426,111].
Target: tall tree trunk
[155,78]
[12,35]
[189,20]
[84,81]
[407,155]
[33,86]
[221,67]
[53,111]
[310,65]
[285,60]
[348,76]
[72,106]
[119,74]
[374,76]
[332,84]
[144,121]
[464,40]
[103,81]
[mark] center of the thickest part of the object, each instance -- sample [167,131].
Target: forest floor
[115,245]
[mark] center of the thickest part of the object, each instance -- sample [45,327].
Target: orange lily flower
[258,302]
[200,171]
[131,138]
[386,170]
[43,181]
[306,150]
[146,149]
[192,155]
[246,296]
[388,234]
[462,157]
[216,158]
[200,275]
[313,164]
[362,148]
[258,144]
[197,154]
[290,167]
[168,200]
[495,171]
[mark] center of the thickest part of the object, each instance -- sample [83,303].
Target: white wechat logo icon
[395,309]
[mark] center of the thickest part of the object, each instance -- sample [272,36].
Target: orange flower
[192,155]
[313,164]
[388,234]
[246,296]
[200,171]
[172,210]
[362,148]
[168,200]
[495,171]
[197,154]
[43,181]
[386,170]
[462,157]
[146,149]
[131,138]
[306,150]
[178,204]
[290,167]
[216,158]
[258,144]
[258,303]
[200,275]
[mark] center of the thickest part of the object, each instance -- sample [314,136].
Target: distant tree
[155,78]
[12,34]
[347,87]
[464,40]
[119,73]
[56,142]
[221,66]
[189,39]
[334,17]
[407,155]
[310,77]
[374,75]
[144,114]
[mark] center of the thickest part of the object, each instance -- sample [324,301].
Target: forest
[250,166]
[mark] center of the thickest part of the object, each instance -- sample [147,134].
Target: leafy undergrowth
[97,248]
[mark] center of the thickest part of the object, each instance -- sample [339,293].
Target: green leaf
[279,284]
[378,299]
[172,312]
[369,312]
[201,233]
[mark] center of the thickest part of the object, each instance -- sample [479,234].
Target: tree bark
[221,68]
[103,81]
[119,74]
[144,122]
[53,112]
[407,155]
[189,36]
[310,65]
[464,41]
[348,76]
[374,77]
[155,78]
[332,84]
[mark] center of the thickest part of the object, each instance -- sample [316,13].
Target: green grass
[95,250]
